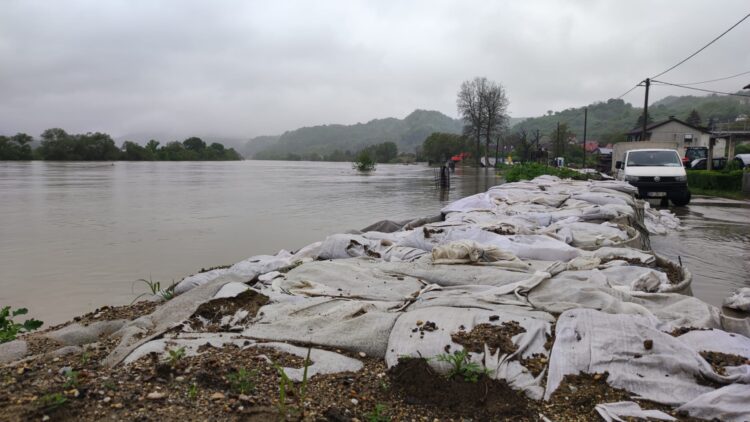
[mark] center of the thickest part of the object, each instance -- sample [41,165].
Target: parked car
[701,163]
[743,160]
[692,154]
[657,173]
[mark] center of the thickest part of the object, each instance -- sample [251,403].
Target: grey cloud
[240,69]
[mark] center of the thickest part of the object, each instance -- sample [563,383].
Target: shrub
[528,171]
[10,329]
[715,180]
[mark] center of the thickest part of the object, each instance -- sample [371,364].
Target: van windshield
[654,159]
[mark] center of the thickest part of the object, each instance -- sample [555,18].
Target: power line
[628,91]
[701,89]
[704,47]
[716,80]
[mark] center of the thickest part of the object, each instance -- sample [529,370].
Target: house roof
[652,126]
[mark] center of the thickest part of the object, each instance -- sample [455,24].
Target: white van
[657,173]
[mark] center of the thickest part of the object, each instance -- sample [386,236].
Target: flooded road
[76,236]
[715,245]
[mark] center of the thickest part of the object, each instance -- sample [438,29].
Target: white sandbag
[480,296]
[729,403]
[354,325]
[340,246]
[740,300]
[456,275]
[610,253]
[590,289]
[468,251]
[406,340]
[199,279]
[358,278]
[251,267]
[480,201]
[663,371]
[601,198]
[717,341]
[637,278]
[623,411]
[323,361]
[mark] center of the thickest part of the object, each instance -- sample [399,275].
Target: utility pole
[559,144]
[538,153]
[585,122]
[645,111]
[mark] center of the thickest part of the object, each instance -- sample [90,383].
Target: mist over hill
[406,133]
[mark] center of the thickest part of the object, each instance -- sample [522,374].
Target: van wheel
[680,199]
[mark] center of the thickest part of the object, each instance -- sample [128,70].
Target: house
[684,134]
[591,146]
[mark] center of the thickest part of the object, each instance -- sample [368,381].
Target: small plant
[10,329]
[52,401]
[175,355]
[286,385]
[462,366]
[193,391]
[155,288]
[378,414]
[242,381]
[71,379]
[85,357]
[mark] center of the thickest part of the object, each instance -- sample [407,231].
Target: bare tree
[471,109]
[495,105]
[482,105]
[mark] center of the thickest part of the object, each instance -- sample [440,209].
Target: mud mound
[486,399]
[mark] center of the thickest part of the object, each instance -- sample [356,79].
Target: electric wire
[701,89]
[715,80]
[704,47]
[628,91]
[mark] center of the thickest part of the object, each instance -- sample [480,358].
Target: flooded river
[75,236]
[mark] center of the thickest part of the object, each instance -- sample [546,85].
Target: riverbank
[491,305]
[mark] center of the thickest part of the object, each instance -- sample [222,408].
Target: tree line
[385,152]
[58,145]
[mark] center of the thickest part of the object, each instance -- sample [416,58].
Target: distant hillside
[608,121]
[407,133]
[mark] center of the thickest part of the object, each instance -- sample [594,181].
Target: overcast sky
[245,68]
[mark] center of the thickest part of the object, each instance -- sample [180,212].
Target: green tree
[439,147]
[694,118]
[639,122]
[131,151]
[560,138]
[152,145]
[194,144]
[16,147]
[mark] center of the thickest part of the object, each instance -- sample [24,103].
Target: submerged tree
[364,162]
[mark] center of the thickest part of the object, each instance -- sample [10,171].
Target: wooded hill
[609,121]
[407,134]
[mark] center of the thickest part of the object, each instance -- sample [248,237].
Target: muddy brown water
[715,245]
[76,236]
